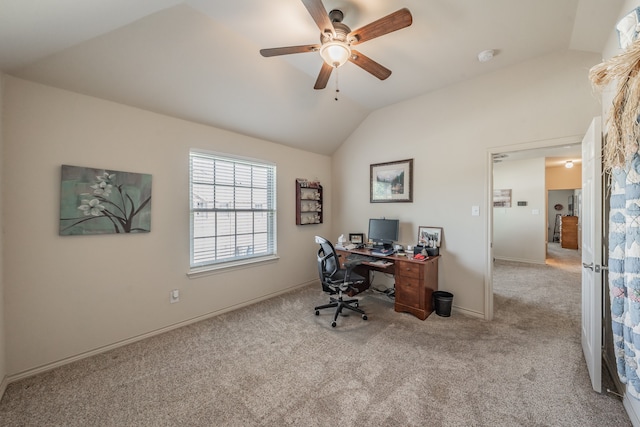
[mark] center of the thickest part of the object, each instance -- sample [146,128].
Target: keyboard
[361,258]
[384,252]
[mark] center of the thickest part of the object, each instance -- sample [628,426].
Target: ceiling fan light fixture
[335,53]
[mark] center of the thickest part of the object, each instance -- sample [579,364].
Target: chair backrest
[328,262]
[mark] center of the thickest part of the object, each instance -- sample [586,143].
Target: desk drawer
[408,292]
[408,270]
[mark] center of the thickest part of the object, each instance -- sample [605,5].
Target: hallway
[562,258]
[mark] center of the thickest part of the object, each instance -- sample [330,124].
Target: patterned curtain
[624,272]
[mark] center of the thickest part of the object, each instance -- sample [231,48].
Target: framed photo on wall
[502,198]
[392,181]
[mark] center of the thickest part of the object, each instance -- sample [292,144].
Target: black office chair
[336,280]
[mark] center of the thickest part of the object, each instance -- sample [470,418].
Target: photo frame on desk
[356,238]
[392,182]
[426,234]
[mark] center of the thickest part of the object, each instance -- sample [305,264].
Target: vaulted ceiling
[199,59]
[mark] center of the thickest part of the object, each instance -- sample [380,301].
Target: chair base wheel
[342,308]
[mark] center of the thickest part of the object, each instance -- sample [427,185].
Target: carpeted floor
[276,363]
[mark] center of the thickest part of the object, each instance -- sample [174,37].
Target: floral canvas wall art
[102,201]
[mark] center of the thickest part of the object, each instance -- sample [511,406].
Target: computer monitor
[383,232]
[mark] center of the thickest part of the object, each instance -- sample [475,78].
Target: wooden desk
[415,280]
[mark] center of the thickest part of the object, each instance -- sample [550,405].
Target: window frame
[236,260]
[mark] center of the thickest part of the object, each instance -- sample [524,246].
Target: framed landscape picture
[392,182]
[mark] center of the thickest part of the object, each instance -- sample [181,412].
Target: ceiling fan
[336,40]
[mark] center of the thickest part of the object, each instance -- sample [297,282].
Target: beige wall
[519,231]
[69,296]
[449,133]
[561,178]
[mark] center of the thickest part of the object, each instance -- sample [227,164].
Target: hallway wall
[555,197]
[518,231]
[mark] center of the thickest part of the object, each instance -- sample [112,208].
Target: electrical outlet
[174,296]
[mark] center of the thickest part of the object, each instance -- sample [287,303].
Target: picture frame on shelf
[356,238]
[391,182]
[429,236]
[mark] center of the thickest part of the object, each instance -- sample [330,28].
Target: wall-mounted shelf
[308,202]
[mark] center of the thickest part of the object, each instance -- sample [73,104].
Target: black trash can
[442,302]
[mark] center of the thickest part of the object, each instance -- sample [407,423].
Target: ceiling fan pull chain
[337,88]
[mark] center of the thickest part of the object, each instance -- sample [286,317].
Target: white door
[592,252]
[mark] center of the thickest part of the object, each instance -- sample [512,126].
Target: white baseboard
[66,361]
[528,261]
[467,312]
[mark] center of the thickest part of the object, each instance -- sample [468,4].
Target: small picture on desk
[430,237]
[356,238]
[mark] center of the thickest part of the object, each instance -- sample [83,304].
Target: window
[233,209]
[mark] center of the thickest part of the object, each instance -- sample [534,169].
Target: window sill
[197,272]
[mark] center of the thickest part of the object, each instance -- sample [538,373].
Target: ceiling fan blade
[323,77]
[289,50]
[320,16]
[397,20]
[369,65]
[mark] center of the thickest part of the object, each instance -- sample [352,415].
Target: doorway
[553,249]
[559,203]
[558,150]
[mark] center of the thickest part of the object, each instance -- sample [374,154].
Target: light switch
[535,212]
[475,210]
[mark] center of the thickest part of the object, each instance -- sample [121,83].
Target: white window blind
[233,209]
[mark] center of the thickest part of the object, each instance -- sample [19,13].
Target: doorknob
[589,266]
